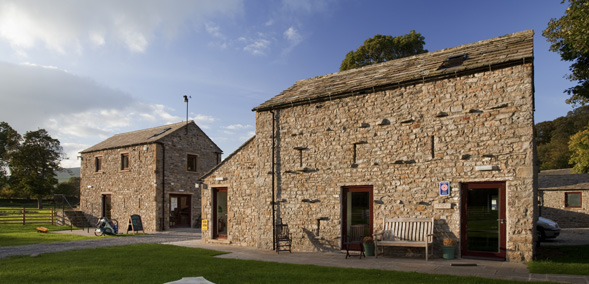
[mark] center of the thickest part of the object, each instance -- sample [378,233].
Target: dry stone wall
[403,142]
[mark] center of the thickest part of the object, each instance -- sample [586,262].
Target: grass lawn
[561,260]
[18,235]
[155,263]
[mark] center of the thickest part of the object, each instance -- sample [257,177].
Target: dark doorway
[180,211]
[106,206]
[483,220]
[357,210]
[220,213]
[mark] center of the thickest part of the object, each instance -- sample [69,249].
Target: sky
[87,70]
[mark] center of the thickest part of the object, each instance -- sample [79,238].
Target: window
[572,200]
[191,162]
[125,162]
[98,164]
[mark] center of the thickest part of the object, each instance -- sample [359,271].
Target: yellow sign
[205,225]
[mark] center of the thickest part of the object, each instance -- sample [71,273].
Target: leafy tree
[70,188]
[381,48]
[579,146]
[569,36]
[33,166]
[9,141]
[552,138]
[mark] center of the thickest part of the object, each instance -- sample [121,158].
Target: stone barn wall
[402,142]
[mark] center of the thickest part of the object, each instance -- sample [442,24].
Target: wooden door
[220,209]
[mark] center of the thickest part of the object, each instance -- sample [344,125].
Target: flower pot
[368,249]
[448,252]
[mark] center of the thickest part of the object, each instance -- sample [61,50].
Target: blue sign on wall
[445,188]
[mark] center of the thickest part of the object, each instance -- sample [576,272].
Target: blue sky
[86,70]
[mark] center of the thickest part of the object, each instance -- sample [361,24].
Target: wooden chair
[353,240]
[283,238]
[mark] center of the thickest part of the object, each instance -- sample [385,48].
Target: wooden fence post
[52,217]
[23,216]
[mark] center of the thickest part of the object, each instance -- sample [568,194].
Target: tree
[33,166]
[70,188]
[569,36]
[552,138]
[381,48]
[579,147]
[9,141]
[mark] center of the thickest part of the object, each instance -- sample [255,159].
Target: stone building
[563,197]
[446,134]
[152,172]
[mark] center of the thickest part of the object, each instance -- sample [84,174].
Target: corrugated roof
[139,137]
[505,50]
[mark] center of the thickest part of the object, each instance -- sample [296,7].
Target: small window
[572,200]
[191,163]
[124,161]
[98,164]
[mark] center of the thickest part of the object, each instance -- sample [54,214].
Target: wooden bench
[406,232]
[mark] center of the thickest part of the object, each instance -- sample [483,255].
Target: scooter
[106,227]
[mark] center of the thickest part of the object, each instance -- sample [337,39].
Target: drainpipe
[163,185]
[273,178]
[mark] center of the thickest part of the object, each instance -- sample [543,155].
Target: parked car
[547,229]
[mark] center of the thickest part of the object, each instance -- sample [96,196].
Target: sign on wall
[205,225]
[444,188]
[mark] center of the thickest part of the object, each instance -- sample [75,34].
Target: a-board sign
[204,225]
[135,224]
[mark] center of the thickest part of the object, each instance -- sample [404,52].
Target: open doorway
[357,210]
[220,213]
[180,211]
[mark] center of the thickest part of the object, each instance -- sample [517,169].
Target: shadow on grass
[561,260]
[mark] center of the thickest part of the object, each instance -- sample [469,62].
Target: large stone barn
[151,172]
[445,135]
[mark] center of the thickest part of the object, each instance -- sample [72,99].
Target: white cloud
[258,46]
[292,35]
[238,127]
[64,26]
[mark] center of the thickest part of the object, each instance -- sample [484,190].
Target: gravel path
[36,249]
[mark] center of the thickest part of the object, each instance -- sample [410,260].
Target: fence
[27,216]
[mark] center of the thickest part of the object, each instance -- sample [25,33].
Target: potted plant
[448,248]
[368,243]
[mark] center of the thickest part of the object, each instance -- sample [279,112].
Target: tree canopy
[34,163]
[569,36]
[381,48]
[579,147]
[552,138]
[9,141]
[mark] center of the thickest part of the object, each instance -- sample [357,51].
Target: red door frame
[501,254]
[356,188]
[214,215]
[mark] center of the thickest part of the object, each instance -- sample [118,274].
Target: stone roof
[562,179]
[508,50]
[139,137]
